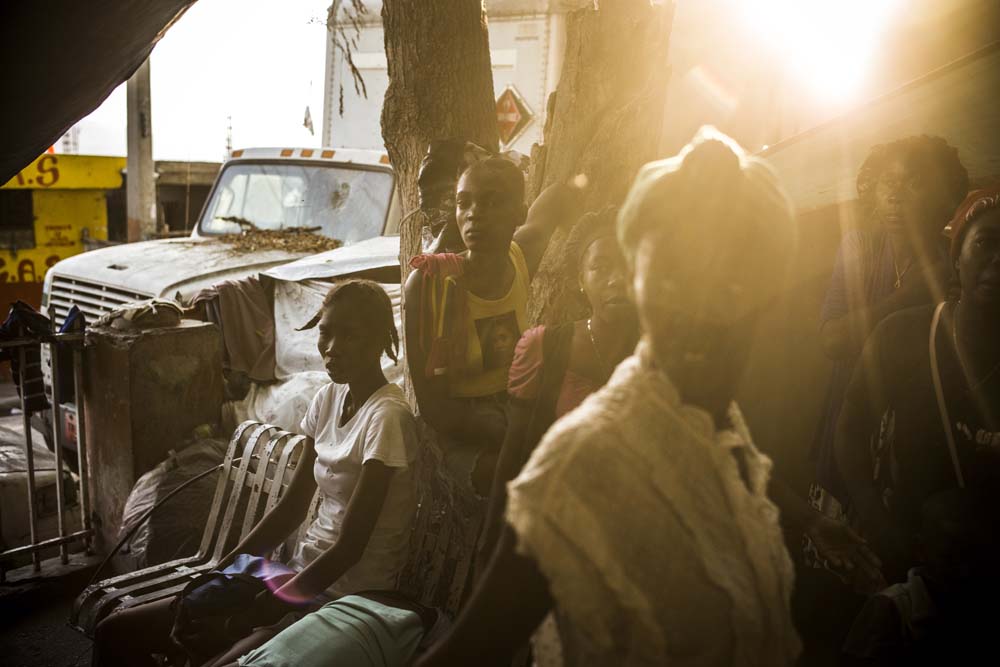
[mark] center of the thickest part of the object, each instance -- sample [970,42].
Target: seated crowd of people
[616,509]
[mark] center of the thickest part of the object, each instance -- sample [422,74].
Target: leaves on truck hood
[291,239]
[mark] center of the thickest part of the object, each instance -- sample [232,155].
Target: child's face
[347,346]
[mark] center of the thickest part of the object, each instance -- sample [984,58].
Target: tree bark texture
[440,86]
[604,123]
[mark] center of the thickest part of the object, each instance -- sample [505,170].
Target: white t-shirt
[383,429]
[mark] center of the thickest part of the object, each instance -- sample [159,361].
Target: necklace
[597,350]
[900,274]
[895,264]
[961,362]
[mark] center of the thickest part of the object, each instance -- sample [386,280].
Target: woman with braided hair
[360,447]
[908,189]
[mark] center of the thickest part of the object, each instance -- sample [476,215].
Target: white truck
[346,194]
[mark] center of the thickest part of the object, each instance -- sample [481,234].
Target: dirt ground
[34,628]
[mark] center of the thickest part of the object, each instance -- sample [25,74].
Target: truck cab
[345,194]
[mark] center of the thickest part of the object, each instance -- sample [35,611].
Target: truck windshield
[347,204]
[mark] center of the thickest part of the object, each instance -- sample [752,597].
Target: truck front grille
[92,298]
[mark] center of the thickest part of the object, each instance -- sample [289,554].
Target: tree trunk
[440,86]
[604,121]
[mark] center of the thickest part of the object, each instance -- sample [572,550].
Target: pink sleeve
[524,380]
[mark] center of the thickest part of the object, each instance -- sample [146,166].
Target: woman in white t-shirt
[361,444]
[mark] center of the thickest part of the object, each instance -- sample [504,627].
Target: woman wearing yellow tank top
[465,313]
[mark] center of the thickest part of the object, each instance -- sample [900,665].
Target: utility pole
[140,179]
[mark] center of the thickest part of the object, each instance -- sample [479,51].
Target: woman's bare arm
[557,205]
[360,518]
[844,549]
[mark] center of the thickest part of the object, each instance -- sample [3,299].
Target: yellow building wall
[60,218]
[68,197]
[62,172]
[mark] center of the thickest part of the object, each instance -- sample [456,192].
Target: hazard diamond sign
[513,115]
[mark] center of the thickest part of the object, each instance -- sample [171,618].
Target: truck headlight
[46,290]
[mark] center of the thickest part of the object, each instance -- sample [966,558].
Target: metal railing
[64,539]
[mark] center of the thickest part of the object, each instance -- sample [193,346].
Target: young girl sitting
[361,443]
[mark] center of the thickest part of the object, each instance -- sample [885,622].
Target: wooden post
[140,183]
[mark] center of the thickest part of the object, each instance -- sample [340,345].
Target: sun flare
[828,45]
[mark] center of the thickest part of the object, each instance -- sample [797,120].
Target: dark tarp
[61,59]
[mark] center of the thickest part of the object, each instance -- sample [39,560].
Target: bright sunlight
[828,45]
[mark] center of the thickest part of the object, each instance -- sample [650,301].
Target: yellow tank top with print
[492,330]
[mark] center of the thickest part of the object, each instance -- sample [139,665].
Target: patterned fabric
[449,517]
[441,302]
[492,329]
[655,550]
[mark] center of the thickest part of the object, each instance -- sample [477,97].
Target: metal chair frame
[258,476]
